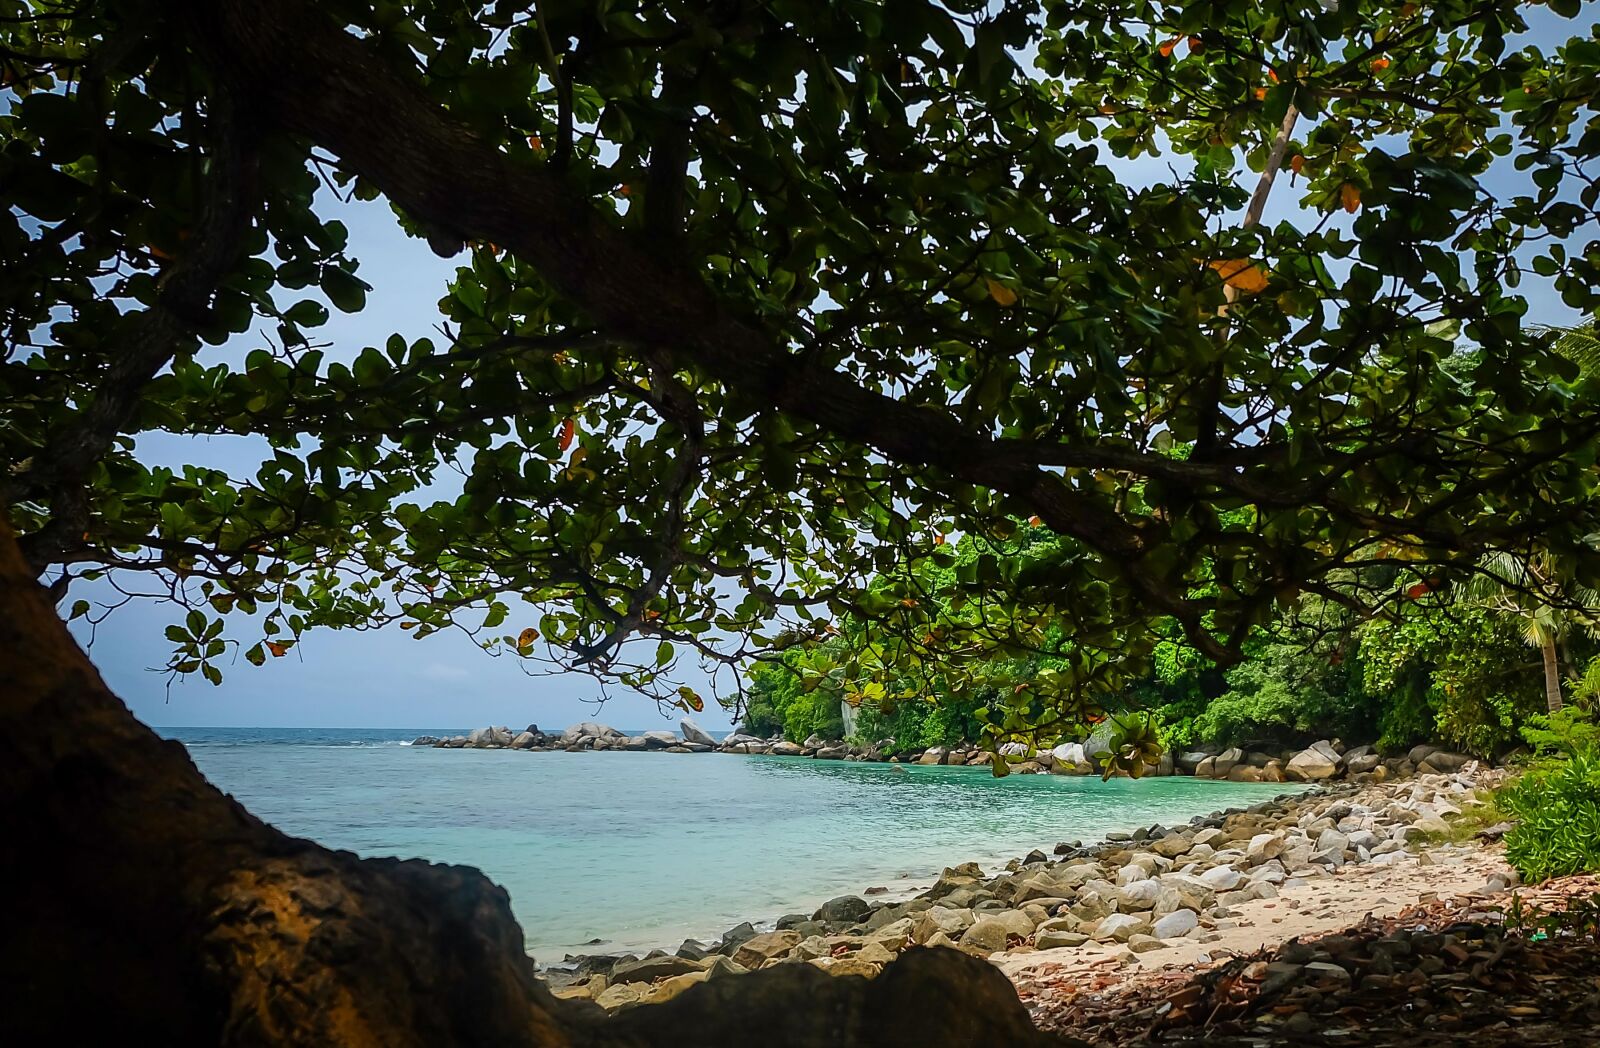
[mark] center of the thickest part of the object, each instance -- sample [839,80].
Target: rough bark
[147,907]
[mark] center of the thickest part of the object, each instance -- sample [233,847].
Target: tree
[1530,591]
[761,301]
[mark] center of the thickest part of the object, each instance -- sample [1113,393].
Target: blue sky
[383,678]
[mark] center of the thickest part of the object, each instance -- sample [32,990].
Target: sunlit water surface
[645,849]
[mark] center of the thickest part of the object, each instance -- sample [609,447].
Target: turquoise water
[645,849]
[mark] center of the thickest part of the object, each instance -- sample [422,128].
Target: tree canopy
[760,304]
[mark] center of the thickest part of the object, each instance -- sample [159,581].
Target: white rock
[1176,924]
[1222,878]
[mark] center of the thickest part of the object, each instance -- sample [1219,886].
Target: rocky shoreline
[1135,894]
[1322,761]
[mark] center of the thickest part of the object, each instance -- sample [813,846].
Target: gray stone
[523,741]
[1310,765]
[692,732]
[1176,924]
[847,909]
[1121,926]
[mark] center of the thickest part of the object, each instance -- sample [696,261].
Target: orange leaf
[1242,274]
[651,613]
[568,428]
[526,638]
[1197,46]
[1035,521]
[278,650]
[1000,293]
[1380,64]
[1272,74]
[938,540]
[1418,591]
[1261,93]
[1297,163]
[625,189]
[534,143]
[1350,197]
[408,625]
[1168,47]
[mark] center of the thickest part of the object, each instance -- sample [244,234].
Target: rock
[523,741]
[988,934]
[480,738]
[933,755]
[1311,765]
[1225,761]
[426,740]
[1264,847]
[1332,840]
[768,946]
[836,751]
[621,995]
[1361,763]
[1172,845]
[1191,760]
[667,989]
[1121,927]
[786,749]
[1420,752]
[1441,762]
[1244,773]
[1206,769]
[846,909]
[1145,943]
[590,729]
[692,732]
[735,937]
[1222,878]
[1138,895]
[1176,924]
[1057,939]
[652,968]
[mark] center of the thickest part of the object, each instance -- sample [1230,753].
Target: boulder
[590,729]
[1222,878]
[631,742]
[991,932]
[1264,846]
[1056,939]
[1420,752]
[652,968]
[766,947]
[692,732]
[1361,762]
[786,748]
[1311,765]
[1244,773]
[480,738]
[1207,768]
[1140,943]
[846,909]
[1226,760]
[1176,924]
[1273,772]
[1138,895]
[1189,761]
[740,738]
[933,755]
[1121,927]
[834,751]
[659,740]
[500,736]
[525,740]
[1440,761]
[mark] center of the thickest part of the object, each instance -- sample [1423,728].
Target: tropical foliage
[760,306]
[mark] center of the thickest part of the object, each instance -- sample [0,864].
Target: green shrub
[1557,808]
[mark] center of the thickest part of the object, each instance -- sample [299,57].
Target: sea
[611,851]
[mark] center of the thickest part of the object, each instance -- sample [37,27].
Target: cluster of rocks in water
[1139,891]
[1321,761]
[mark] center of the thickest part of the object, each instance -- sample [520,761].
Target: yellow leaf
[1242,274]
[1350,197]
[526,638]
[1000,293]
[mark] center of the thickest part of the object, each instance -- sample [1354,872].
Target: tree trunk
[147,907]
[1552,672]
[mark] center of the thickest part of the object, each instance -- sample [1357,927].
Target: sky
[383,678]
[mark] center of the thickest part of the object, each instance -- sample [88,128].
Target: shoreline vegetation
[1149,897]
